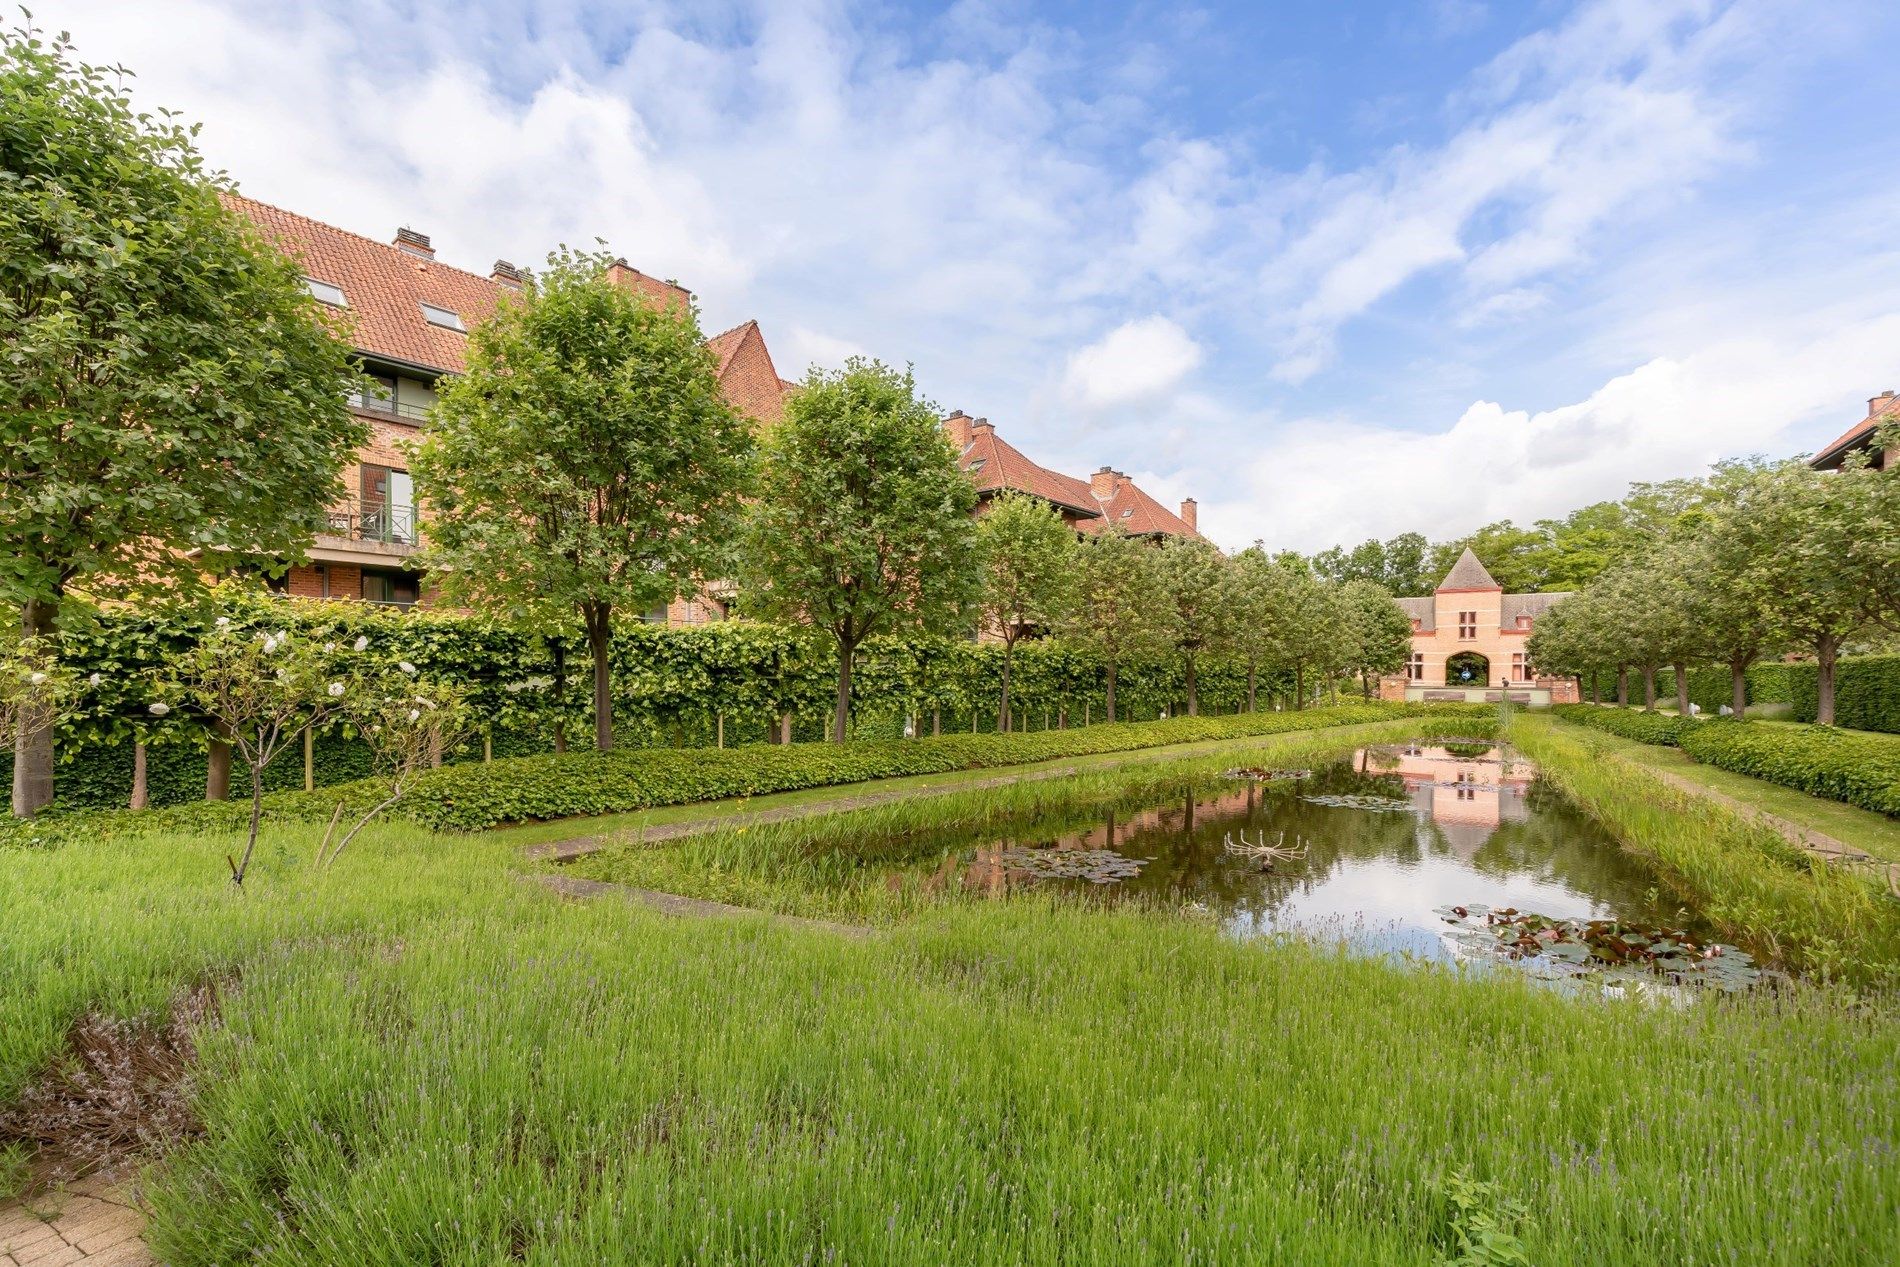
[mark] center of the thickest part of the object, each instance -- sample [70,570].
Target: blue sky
[1337,270]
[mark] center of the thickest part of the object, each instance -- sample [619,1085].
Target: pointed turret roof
[1468,574]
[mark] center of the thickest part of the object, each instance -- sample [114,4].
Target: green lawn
[1864,829]
[421,1057]
[423,1060]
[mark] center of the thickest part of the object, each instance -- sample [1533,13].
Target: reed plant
[1759,888]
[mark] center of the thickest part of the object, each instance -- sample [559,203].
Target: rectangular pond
[1443,850]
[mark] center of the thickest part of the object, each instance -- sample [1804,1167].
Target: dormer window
[443,317]
[976,466]
[325,293]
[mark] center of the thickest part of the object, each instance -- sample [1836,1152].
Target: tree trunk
[841,716]
[1253,674]
[1622,686]
[1827,649]
[599,619]
[33,749]
[141,792]
[1738,687]
[1002,707]
[936,722]
[1682,689]
[1365,682]
[1193,694]
[257,811]
[309,758]
[1649,688]
[218,766]
[1111,692]
[1596,691]
[1299,688]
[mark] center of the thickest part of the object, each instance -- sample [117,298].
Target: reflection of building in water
[1467,797]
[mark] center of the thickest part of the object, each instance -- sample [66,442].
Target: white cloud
[801,347]
[1135,363]
[1327,481]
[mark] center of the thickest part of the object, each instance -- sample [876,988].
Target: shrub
[524,789]
[1654,728]
[1861,770]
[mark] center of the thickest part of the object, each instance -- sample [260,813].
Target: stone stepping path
[94,1221]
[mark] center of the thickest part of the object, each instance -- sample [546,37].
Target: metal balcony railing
[388,407]
[387,522]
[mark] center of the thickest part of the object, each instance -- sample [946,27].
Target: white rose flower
[160,708]
[336,689]
[361,642]
[36,678]
[406,667]
[414,713]
[329,647]
[425,701]
[222,621]
[95,679]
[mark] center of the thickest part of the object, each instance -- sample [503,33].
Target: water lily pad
[1600,946]
[1376,804]
[1097,866]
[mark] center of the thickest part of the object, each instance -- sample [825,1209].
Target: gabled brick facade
[407,315]
[1470,619]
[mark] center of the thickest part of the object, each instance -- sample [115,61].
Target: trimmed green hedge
[1651,728]
[525,789]
[1838,765]
[1770,682]
[1861,770]
[1866,692]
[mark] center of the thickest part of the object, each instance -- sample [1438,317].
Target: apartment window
[1415,667]
[395,588]
[388,505]
[1467,625]
[1520,668]
[325,293]
[443,317]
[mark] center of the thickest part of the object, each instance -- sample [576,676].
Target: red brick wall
[751,384]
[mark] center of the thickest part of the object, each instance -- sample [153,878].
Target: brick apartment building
[1090,506]
[409,315]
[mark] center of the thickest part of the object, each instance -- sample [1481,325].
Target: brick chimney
[506,275]
[410,242]
[1104,482]
[1879,404]
[982,427]
[957,427]
[1190,514]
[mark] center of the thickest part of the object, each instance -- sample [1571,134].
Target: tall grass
[1744,877]
[592,1085]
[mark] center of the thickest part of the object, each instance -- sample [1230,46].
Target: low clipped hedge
[473,797]
[1861,770]
[1838,765]
[1651,728]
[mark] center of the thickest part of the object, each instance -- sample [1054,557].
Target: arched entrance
[1467,668]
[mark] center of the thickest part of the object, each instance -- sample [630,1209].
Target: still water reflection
[1430,825]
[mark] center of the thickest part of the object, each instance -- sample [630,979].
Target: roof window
[976,465]
[443,317]
[325,293]
[1129,513]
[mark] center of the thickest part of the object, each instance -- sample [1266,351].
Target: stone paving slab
[95,1221]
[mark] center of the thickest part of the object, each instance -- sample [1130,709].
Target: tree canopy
[1028,558]
[863,524]
[585,463]
[173,403]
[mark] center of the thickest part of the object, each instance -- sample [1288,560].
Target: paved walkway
[93,1222]
[674,904]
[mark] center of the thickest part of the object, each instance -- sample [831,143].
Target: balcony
[388,407]
[384,522]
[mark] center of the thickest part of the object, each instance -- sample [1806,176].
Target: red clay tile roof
[995,465]
[1137,514]
[1880,410]
[384,287]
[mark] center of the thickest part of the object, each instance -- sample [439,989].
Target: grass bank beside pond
[420,1059]
[1763,891]
[843,865]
